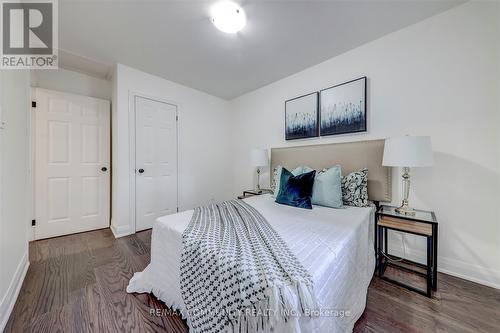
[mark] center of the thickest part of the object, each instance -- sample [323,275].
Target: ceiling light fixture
[228,17]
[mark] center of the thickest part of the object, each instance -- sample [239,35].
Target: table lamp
[406,152]
[259,159]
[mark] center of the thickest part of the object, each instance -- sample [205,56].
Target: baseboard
[464,270]
[10,297]
[120,231]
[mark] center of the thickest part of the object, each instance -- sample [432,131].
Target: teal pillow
[327,189]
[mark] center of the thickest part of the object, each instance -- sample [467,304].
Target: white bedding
[334,245]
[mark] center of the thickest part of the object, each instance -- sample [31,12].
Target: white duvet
[334,245]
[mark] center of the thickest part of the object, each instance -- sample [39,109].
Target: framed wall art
[301,117]
[343,108]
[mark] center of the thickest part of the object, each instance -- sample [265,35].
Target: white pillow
[301,169]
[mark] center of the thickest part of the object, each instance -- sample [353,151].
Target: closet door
[156,160]
[72,163]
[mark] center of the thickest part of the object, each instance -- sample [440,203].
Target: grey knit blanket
[237,274]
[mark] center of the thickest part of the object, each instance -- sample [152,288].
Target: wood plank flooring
[77,283]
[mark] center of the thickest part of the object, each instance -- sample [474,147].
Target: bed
[336,246]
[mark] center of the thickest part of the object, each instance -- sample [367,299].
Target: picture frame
[343,108]
[301,117]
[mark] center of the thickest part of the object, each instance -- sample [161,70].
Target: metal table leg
[380,256]
[435,256]
[386,248]
[429,265]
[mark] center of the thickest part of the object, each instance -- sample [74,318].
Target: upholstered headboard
[352,156]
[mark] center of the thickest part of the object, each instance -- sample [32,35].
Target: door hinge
[177,209]
[33,223]
[33,104]
[176,118]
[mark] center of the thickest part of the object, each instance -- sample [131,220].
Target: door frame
[132,156]
[31,193]
[32,175]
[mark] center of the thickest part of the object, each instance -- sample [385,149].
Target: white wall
[14,201]
[71,82]
[205,167]
[439,77]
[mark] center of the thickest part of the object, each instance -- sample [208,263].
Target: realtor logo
[29,34]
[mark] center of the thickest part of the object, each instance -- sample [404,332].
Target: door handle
[104,169]
[141,170]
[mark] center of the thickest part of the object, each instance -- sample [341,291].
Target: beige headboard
[351,156]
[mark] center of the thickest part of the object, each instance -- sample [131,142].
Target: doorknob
[104,169]
[141,170]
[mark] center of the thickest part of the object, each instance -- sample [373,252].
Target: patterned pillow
[355,188]
[275,183]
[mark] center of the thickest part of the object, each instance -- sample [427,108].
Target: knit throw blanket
[237,274]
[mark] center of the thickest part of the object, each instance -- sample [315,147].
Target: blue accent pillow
[327,189]
[275,186]
[296,191]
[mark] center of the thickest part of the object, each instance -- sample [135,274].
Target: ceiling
[176,40]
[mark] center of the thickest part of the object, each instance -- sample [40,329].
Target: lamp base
[404,209]
[257,187]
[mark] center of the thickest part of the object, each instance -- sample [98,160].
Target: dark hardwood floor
[77,283]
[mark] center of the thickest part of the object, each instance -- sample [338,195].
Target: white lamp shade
[260,157]
[408,151]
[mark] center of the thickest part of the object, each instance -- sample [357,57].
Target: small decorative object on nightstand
[407,151]
[422,223]
[251,193]
[259,159]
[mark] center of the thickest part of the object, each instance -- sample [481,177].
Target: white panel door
[156,161]
[72,163]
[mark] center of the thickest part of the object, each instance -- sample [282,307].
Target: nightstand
[251,193]
[423,224]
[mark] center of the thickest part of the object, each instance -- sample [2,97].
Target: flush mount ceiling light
[228,17]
